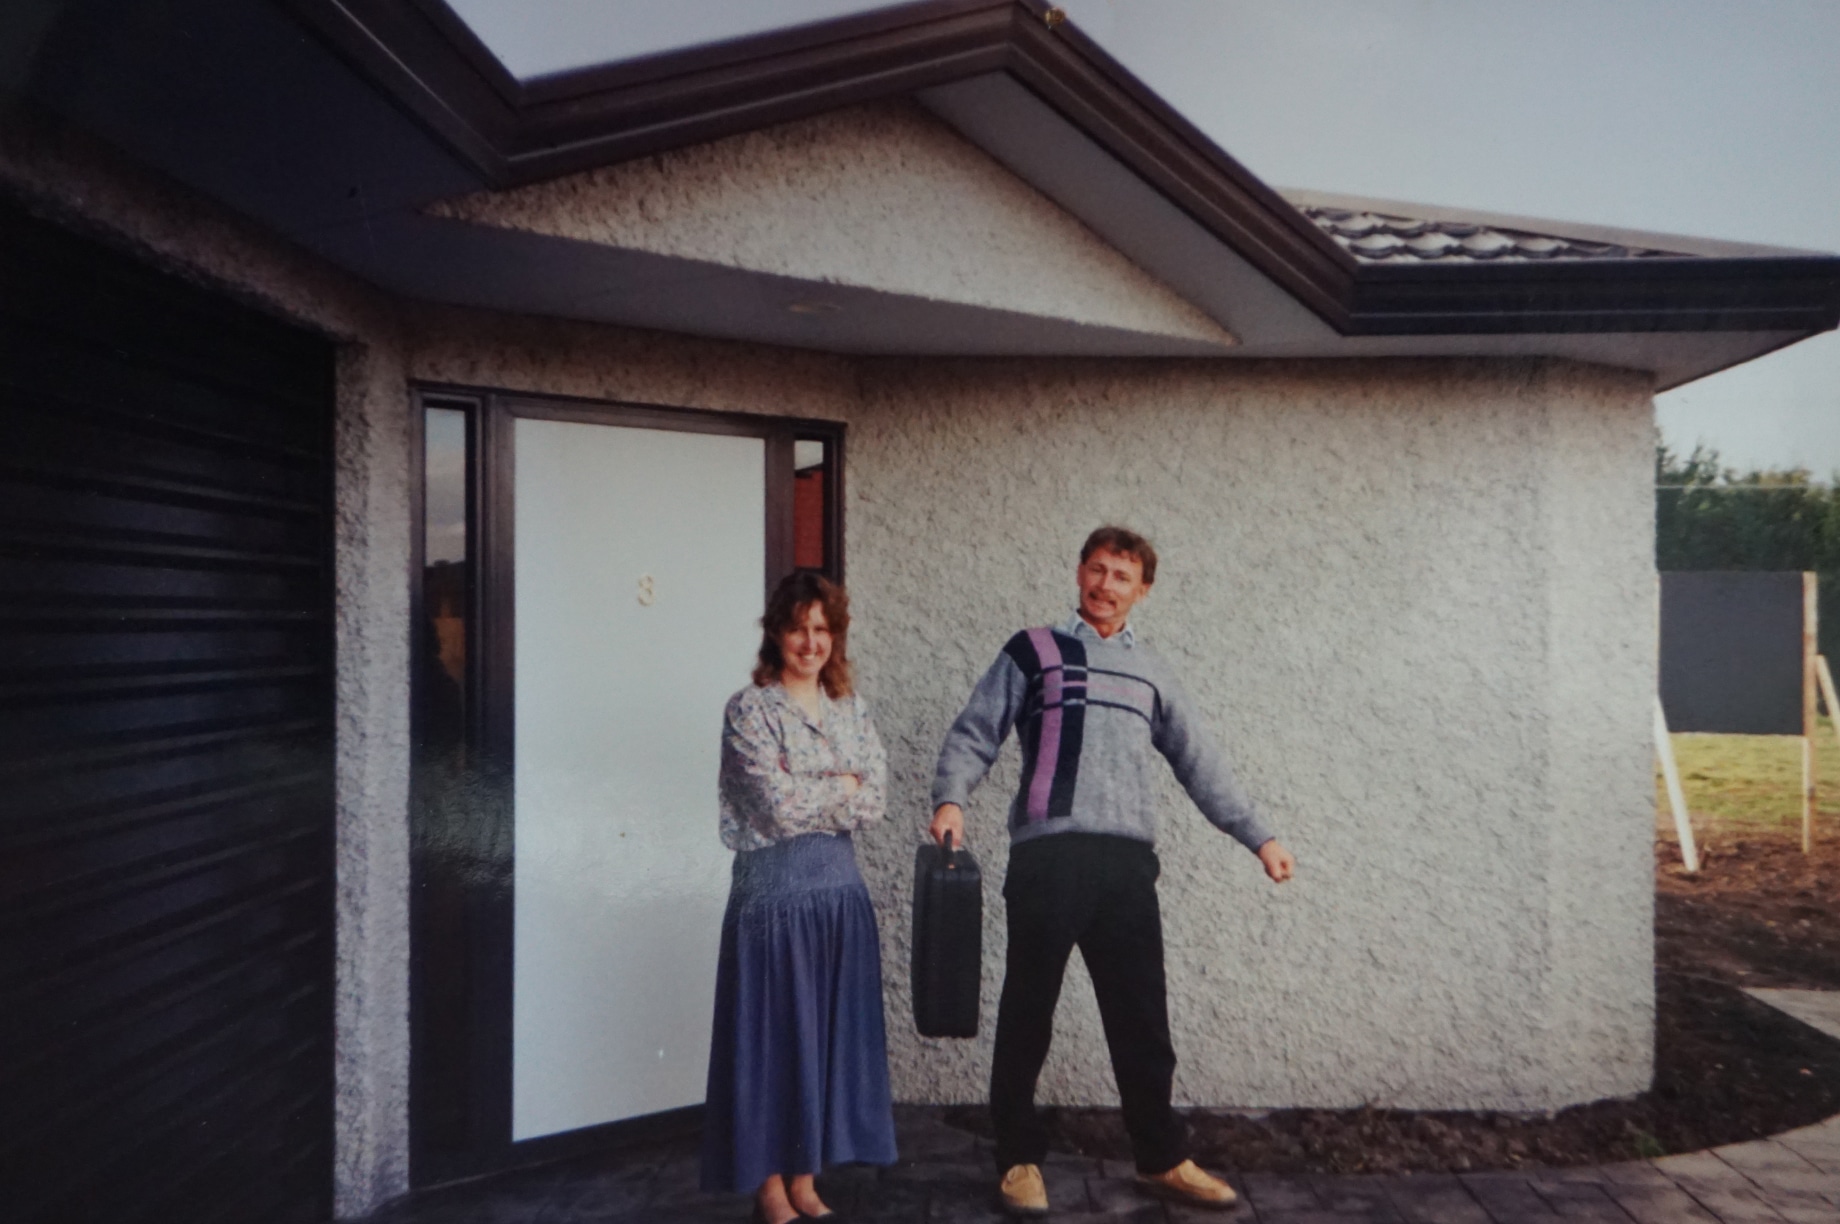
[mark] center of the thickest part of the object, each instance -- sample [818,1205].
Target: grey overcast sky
[1715,118]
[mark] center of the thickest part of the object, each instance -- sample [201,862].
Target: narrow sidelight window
[446,583]
[816,538]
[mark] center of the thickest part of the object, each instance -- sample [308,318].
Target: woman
[798,1068]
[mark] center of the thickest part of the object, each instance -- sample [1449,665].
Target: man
[1091,703]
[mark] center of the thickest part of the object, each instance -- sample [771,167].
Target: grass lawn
[1751,784]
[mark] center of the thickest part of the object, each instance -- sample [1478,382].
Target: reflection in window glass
[810,491]
[445,579]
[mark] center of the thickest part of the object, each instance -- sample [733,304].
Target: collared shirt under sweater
[1090,714]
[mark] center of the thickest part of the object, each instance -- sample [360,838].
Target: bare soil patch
[1727,1068]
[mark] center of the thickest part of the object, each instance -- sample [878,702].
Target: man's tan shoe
[1186,1183]
[1022,1191]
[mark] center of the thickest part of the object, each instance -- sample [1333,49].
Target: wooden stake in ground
[1677,799]
[1827,692]
[1810,622]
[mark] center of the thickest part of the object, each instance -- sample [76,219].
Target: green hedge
[1713,518]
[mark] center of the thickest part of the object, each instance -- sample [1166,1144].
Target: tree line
[1710,517]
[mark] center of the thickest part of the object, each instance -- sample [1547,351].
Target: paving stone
[1701,1168]
[847,1189]
[1432,1198]
[1634,1173]
[1813,1181]
[1509,1198]
[1582,1201]
[1820,1150]
[1110,1195]
[1659,1204]
[676,1180]
[1819,1009]
[1568,1175]
[1805,1184]
[1828,1130]
[1066,1182]
[1354,1196]
[481,1211]
[1280,1192]
[681,1213]
[889,1202]
[1735,1205]
[1087,1166]
[921,1134]
[946,1177]
[941,1170]
[1801,1208]
[963,1202]
[609,1198]
[1242,1212]
[1763,1156]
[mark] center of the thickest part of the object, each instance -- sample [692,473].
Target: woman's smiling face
[806,647]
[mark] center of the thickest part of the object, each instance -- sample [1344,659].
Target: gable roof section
[884,197]
[515,132]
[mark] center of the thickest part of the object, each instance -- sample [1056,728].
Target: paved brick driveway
[945,1177]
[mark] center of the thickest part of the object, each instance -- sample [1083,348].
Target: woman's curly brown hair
[795,593]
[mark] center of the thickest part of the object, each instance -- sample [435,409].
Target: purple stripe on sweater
[1048,742]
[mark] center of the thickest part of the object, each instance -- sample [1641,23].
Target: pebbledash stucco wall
[1416,599]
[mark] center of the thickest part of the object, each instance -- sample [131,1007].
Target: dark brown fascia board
[1770,293]
[516,132]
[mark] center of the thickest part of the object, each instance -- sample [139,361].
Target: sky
[1712,118]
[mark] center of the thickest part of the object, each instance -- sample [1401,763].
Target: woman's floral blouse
[782,774]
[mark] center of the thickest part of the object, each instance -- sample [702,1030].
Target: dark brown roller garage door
[166,903]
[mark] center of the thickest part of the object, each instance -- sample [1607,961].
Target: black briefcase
[948,941]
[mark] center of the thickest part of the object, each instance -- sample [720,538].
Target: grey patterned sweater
[1089,712]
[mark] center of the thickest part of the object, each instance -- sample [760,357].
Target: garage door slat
[166,723]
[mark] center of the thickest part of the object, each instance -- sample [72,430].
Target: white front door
[639,560]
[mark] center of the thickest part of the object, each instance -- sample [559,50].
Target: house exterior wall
[1416,600]
[881,196]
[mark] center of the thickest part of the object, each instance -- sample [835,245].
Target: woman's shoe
[829,1214]
[760,1217]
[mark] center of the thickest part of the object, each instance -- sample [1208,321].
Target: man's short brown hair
[1124,542]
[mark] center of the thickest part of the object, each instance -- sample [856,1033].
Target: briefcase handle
[951,852]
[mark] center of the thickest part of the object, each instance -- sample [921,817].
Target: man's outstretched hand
[948,816]
[1279,864]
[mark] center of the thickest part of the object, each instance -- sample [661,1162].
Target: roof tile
[1383,238]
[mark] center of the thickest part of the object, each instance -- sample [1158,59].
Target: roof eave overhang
[514,132]
[1795,293]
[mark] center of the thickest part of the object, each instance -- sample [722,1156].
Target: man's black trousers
[1096,893]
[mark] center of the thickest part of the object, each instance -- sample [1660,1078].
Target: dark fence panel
[1731,652]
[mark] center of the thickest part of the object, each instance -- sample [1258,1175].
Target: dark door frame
[462,901]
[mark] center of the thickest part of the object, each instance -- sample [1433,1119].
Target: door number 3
[648,590]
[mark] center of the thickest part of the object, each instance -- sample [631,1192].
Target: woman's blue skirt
[798,1060]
